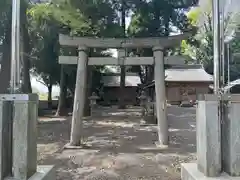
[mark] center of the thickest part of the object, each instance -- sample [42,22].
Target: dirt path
[119,147]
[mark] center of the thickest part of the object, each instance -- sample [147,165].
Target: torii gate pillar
[159,76]
[79,97]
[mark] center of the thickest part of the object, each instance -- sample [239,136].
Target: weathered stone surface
[189,171]
[43,173]
[160,89]
[79,97]
[25,137]
[148,42]
[5,138]
[18,139]
[208,135]
[231,135]
[103,175]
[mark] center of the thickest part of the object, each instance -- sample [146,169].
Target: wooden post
[5,138]
[79,98]
[159,76]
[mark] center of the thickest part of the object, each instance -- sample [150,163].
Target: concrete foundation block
[25,136]
[208,135]
[189,171]
[43,173]
[231,135]
[5,138]
[18,139]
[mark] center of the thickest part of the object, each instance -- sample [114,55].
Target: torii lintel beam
[149,42]
[170,60]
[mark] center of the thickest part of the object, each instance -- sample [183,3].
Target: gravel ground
[118,147]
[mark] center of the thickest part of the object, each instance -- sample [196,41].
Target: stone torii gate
[158,44]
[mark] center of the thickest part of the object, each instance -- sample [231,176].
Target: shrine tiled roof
[178,73]
[187,73]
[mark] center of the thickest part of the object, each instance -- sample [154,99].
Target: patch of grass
[43,97]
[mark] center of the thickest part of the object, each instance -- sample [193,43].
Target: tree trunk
[26,86]
[87,108]
[50,96]
[6,61]
[61,110]
[123,70]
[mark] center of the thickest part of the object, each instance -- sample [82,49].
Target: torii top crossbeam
[148,42]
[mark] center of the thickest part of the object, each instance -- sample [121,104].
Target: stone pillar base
[44,172]
[189,171]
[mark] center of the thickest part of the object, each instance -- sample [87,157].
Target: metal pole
[15,47]
[222,50]
[223,64]
[228,62]
[216,44]
[18,57]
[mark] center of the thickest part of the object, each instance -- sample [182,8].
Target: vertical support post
[223,64]
[5,138]
[159,76]
[231,134]
[24,134]
[79,98]
[228,63]
[15,46]
[216,45]
[222,43]
[208,135]
[121,57]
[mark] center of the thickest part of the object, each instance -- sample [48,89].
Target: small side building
[183,83]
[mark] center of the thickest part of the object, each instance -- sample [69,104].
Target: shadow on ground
[121,146]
